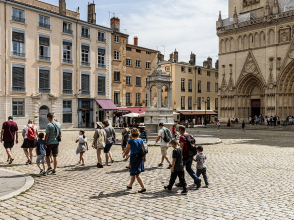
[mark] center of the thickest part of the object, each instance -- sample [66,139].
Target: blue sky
[185,25]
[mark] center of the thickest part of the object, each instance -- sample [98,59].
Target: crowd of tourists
[134,148]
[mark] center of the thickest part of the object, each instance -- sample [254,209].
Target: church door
[255,107]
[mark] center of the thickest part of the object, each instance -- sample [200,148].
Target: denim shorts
[107,148]
[40,158]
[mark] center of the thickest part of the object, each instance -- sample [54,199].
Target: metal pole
[205,114]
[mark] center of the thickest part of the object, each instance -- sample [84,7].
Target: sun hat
[141,125]
[99,124]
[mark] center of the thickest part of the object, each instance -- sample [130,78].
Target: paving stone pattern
[250,175]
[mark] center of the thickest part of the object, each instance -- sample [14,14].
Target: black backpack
[167,135]
[191,144]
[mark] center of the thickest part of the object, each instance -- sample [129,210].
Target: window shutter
[18,77]
[85,82]
[44,79]
[18,37]
[67,81]
[44,41]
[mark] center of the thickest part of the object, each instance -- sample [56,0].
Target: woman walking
[229,123]
[217,125]
[81,149]
[99,140]
[110,140]
[30,134]
[137,162]
[125,138]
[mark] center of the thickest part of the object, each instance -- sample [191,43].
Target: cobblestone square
[250,176]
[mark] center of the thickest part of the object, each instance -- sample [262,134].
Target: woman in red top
[174,131]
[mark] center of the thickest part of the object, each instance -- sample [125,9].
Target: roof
[186,64]
[143,48]
[198,112]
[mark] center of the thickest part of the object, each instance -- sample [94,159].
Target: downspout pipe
[5,59]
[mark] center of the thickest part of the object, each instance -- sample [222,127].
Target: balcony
[67,31]
[83,63]
[85,35]
[44,90]
[41,57]
[18,89]
[129,104]
[138,104]
[84,92]
[67,91]
[101,93]
[101,39]
[67,61]
[18,54]
[102,66]
[190,90]
[44,25]
[18,19]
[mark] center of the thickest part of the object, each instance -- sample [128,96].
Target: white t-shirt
[82,140]
[27,129]
[163,143]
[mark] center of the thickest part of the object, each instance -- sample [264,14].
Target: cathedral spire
[235,17]
[220,21]
[276,7]
[267,8]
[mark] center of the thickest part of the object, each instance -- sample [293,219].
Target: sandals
[11,160]
[129,187]
[160,165]
[142,191]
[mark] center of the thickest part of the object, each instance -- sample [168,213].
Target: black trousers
[173,177]
[203,172]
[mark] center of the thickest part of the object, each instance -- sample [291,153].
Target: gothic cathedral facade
[256,59]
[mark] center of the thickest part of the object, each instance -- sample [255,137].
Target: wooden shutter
[67,81]
[85,82]
[101,84]
[18,77]
[44,79]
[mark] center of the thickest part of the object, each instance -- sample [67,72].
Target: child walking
[41,154]
[201,166]
[177,169]
[81,149]
[217,125]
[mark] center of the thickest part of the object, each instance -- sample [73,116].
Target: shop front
[85,113]
[198,117]
[119,119]
[104,110]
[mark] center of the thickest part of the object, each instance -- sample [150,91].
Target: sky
[185,25]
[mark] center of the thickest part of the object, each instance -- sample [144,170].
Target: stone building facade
[51,61]
[256,58]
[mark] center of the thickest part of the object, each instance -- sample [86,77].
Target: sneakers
[106,164]
[11,160]
[198,184]
[142,191]
[169,166]
[53,172]
[160,165]
[167,189]
[82,164]
[44,173]
[178,185]
[111,161]
[41,172]
[99,165]
[184,192]
[49,170]
[206,186]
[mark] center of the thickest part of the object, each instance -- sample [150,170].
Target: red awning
[198,113]
[107,105]
[137,110]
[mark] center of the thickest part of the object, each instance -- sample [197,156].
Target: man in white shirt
[164,145]
[29,145]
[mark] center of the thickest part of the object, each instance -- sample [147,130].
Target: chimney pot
[115,24]
[136,41]
[91,13]
[62,7]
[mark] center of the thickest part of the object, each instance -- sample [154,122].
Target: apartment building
[195,88]
[51,61]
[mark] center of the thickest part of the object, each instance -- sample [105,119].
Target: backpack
[167,135]
[31,133]
[191,144]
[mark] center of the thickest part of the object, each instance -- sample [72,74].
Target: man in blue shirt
[53,130]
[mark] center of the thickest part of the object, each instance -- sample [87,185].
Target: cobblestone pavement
[251,176]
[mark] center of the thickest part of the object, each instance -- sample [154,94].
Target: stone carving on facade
[250,2]
[250,65]
[231,83]
[285,34]
[279,63]
[224,83]
[271,81]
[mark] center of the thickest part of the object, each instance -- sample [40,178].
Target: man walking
[53,131]
[165,135]
[9,130]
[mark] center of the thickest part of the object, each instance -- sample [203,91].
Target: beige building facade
[256,59]
[51,61]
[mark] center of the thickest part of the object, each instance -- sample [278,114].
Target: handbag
[100,141]
[58,138]
[142,151]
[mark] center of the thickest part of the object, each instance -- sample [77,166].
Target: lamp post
[205,108]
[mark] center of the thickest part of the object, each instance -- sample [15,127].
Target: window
[190,70]
[128,98]
[44,45]
[199,71]
[182,102]
[216,104]
[67,112]
[44,80]
[148,64]
[208,103]
[138,80]
[116,55]
[183,69]
[116,38]
[138,51]
[189,102]
[66,27]
[18,40]
[147,52]
[101,36]
[67,45]
[208,86]
[208,73]
[129,62]
[129,49]
[138,63]
[67,83]
[129,80]
[101,85]
[18,15]
[116,75]
[18,108]
[199,86]
[101,58]
[190,85]
[216,87]
[44,22]
[216,74]
[85,81]
[116,97]
[85,55]
[85,32]
[199,103]
[138,98]
[18,78]
[167,69]
[183,85]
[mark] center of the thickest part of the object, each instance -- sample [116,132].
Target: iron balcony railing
[44,90]
[129,104]
[18,19]
[41,57]
[67,91]
[102,39]
[86,35]
[101,93]
[67,61]
[18,54]
[18,89]
[84,92]
[44,25]
[103,66]
[83,63]
[67,31]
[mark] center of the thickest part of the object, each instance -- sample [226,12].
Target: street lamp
[205,108]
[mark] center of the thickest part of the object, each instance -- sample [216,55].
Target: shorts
[28,144]
[164,150]
[8,144]
[107,148]
[40,158]
[174,136]
[53,148]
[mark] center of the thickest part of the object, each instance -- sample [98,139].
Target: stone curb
[28,184]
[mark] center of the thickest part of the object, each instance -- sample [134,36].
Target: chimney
[62,7]
[205,63]
[91,13]
[176,56]
[115,24]
[209,63]
[216,64]
[160,57]
[171,57]
[136,41]
[192,59]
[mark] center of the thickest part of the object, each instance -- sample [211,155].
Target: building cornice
[143,48]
